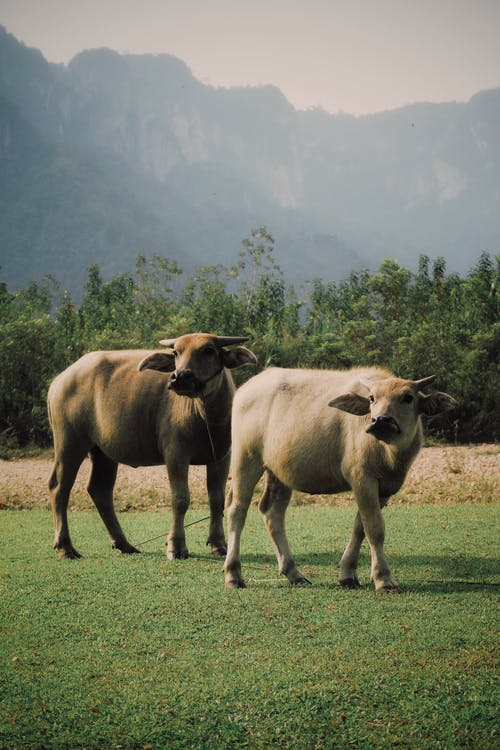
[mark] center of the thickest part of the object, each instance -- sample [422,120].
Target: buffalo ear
[238,356]
[161,361]
[436,403]
[352,403]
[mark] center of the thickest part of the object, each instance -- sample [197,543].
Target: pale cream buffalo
[324,431]
[145,408]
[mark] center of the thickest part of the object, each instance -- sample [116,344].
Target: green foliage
[208,305]
[417,324]
[27,358]
[155,296]
[136,652]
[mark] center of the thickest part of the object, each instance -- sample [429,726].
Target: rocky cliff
[114,155]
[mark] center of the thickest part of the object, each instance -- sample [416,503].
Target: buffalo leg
[374,527]
[176,541]
[349,563]
[100,488]
[348,576]
[66,465]
[216,482]
[244,479]
[272,506]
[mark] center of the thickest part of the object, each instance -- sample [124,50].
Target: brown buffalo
[145,408]
[284,424]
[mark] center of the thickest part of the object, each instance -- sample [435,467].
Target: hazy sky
[357,56]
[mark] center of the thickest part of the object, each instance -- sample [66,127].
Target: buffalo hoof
[126,548]
[300,580]
[389,588]
[218,550]
[68,553]
[236,583]
[350,583]
[182,555]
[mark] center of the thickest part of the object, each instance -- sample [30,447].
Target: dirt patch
[454,474]
[444,474]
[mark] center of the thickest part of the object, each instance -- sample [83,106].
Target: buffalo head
[394,405]
[196,359]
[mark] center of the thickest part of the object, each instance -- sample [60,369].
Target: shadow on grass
[430,573]
[416,573]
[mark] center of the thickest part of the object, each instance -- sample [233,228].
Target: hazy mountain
[114,155]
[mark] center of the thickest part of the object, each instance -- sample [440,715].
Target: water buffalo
[145,408]
[324,431]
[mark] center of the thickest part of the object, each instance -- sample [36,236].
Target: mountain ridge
[133,154]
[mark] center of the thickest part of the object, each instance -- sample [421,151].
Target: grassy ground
[135,652]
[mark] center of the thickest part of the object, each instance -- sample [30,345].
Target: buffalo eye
[208,351]
[372,398]
[407,398]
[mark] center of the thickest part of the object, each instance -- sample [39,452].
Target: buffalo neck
[217,401]
[400,455]
[214,404]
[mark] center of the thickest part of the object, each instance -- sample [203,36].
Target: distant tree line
[415,323]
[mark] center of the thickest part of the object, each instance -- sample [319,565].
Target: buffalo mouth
[191,389]
[384,428]
[185,384]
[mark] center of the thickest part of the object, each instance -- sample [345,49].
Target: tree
[68,334]
[109,312]
[262,289]
[207,305]
[157,297]
[27,357]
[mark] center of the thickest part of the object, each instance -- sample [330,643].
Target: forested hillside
[417,323]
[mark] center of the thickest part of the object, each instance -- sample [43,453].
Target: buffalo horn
[228,340]
[425,381]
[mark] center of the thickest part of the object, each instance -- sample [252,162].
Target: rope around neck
[219,479]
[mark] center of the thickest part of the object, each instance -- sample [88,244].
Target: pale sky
[355,56]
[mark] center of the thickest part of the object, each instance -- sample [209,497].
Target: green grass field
[136,652]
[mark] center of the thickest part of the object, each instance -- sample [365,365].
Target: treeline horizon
[416,323]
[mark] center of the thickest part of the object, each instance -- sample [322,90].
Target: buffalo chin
[189,392]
